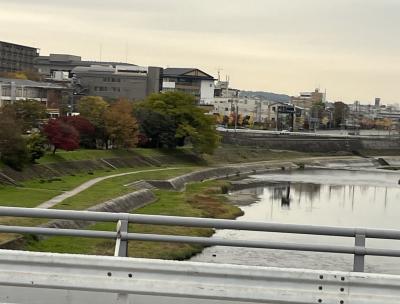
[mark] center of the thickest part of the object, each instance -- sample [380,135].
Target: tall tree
[159,129]
[121,126]
[85,129]
[185,120]
[340,113]
[29,112]
[13,150]
[93,108]
[61,135]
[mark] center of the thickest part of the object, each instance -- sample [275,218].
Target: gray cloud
[349,46]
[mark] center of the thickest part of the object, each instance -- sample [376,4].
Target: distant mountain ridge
[266,95]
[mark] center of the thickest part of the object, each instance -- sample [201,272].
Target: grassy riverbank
[199,200]
[35,192]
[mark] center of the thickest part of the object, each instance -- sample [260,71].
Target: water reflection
[341,198]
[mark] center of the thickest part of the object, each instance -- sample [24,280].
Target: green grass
[82,154]
[33,192]
[92,154]
[199,200]
[115,187]
[36,192]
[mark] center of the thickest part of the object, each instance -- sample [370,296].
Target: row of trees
[161,121]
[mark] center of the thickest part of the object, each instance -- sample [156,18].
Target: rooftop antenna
[219,73]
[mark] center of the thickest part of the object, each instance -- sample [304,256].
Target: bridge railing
[122,235]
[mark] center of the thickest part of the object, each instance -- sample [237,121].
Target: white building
[190,80]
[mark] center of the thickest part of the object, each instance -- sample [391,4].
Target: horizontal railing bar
[58,232]
[63,214]
[201,241]
[199,222]
[263,245]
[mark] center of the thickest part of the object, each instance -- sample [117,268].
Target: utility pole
[236,114]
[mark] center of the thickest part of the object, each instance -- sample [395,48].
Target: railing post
[121,244]
[359,257]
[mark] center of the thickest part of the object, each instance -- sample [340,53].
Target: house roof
[187,72]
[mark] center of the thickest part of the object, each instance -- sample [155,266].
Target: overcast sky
[351,48]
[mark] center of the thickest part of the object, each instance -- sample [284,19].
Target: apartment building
[16,57]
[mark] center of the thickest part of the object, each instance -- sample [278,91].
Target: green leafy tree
[159,129]
[36,145]
[29,112]
[93,108]
[185,121]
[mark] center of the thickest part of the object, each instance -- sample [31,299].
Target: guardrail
[122,236]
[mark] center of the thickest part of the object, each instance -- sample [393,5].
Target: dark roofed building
[16,57]
[190,80]
[122,81]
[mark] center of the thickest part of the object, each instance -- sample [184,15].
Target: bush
[15,155]
[36,146]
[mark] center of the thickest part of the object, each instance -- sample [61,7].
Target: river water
[347,198]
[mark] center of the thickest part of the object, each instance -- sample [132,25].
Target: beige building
[307,99]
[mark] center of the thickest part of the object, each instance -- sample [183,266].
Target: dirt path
[59,198]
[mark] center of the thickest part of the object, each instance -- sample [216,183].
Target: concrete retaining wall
[310,143]
[178,183]
[125,203]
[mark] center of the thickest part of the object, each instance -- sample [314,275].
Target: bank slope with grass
[203,199]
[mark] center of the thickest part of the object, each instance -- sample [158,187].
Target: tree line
[164,120]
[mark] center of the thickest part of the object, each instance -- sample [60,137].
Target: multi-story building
[15,57]
[307,99]
[122,81]
[48,66]
[190,80]
[252,107]
[48,94]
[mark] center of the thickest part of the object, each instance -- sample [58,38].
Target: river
[347,198]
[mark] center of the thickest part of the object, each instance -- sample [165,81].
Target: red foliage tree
[85,129]
[81,124]
[61,135]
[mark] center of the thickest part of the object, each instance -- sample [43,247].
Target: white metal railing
[122,235]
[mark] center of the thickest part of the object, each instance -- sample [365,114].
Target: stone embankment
[307,143]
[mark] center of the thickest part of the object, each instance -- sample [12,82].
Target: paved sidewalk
[59,198]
